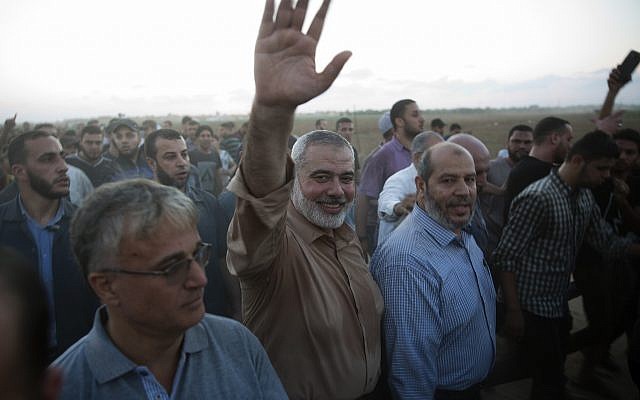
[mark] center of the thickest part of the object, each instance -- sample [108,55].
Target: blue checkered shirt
[439,319]
[547,223]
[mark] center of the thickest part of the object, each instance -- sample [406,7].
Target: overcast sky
[79,58]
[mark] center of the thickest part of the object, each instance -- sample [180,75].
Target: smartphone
[629,64]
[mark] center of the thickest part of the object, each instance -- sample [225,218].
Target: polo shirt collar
[395,143]
[108,363]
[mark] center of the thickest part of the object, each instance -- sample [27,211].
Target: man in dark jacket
[36,224]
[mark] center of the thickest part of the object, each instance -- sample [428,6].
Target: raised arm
[615,82]
[285,77]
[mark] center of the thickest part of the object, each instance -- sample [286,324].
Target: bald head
[478,151]
[436,154]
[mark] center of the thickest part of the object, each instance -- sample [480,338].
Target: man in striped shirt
[439,320]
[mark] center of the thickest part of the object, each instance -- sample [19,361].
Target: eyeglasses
[176,271]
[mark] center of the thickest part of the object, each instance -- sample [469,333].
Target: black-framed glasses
[176,271]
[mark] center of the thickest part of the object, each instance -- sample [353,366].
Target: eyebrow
[178,255]
[51,153]
[327,172]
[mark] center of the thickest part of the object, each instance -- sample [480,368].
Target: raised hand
[10,123]
[285,68]
[616,80]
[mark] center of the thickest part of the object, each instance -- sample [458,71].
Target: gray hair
[131,208]
[425,166]
[328,138]
[421,141]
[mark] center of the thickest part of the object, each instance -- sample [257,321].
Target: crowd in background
[245,262]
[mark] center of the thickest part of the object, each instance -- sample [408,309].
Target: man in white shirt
[399,192]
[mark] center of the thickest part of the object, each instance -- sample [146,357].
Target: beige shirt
[307,294]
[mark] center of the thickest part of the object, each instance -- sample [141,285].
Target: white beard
[314,213]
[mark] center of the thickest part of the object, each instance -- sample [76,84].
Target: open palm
[285,68]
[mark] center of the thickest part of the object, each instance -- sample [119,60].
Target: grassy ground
[491,126]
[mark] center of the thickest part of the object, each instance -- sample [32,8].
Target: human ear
[102,285]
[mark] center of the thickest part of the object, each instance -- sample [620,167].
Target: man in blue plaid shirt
[439,319]
[536,256]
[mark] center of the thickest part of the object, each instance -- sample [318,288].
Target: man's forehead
[171,144]
[43,144]
[626,143]
[328,157]
[92,136]
[444,159]
[124,130]
[521,135]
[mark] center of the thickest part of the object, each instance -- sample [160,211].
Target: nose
[335,188]
[62,165]
[197,277]
[462,188]
[182,160]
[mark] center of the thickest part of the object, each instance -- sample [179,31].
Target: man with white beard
[307,293]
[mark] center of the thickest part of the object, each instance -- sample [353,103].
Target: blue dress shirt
[439,320]
[43,237]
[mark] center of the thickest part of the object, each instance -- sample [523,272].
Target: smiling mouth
[332,207]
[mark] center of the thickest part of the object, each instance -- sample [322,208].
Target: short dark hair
[90,130]
[343,120]
[453,126]
[19,281]
[193,122]
[44,125]
[628,134]
[228,124]
[186,119]
[546,126]
[149,123]
[17,148]
[398,109]
[437,123]
[594,146]
[203,128]
[150,149]
[520,127]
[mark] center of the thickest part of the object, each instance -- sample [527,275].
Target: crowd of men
[153,262]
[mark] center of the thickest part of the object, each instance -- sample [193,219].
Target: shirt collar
[107,362]
[442,235]
[562,185]
[53,221]
[395,143]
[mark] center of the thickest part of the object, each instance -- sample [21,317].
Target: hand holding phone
[629,65]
